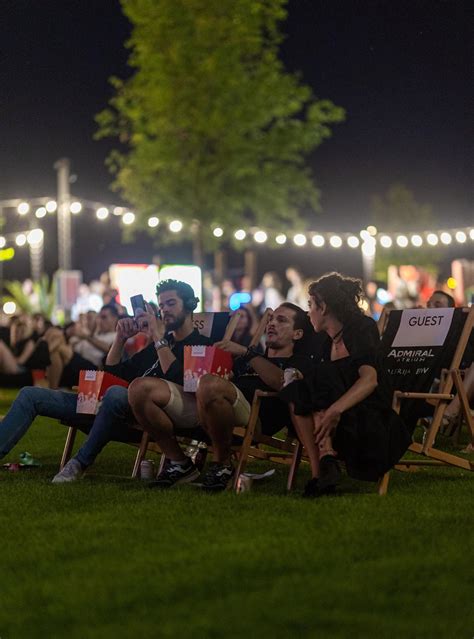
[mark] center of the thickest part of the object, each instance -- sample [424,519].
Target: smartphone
[137,302]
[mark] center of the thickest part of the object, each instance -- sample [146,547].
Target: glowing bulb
[75,208]
[402,241]
[318,240]
[446,238]
[451,283]
[461,237]
[218,232]
[41,212]
[280,239]
[365,235]
[176,226]
[117,210]
[368,247]
[416,240]
[35,237]
[299,239]
[3,241]
[23,208]
[260,237]
[432,239]
[9,308]
[153,222]
[353,241]
[386,241]
[240,234]
[128,218]
[51,206]
[102,213]
[471,234]
[372,230]
[20,239]
[335,241]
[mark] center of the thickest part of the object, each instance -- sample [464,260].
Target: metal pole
[62,167]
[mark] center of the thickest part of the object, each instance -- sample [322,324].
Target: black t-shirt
[274,413]
[147,363]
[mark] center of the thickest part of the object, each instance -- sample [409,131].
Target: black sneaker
[174,474]
[311,488]
[218,477]
[330,474]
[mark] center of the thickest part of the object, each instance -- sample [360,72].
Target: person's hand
[325,423]
[81,332]
[231,347]
[126,328]
[149,323]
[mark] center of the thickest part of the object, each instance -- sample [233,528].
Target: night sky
[401,69]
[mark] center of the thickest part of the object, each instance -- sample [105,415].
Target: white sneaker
[72,471]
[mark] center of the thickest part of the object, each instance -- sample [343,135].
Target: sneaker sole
[184,480]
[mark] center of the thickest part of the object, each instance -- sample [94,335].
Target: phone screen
[137,302]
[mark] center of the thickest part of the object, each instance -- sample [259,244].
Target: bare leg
[147,397]
[215,397]
[455,405]
[304,429]
[8,363]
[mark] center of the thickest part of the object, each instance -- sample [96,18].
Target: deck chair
[416,346]
[213,325]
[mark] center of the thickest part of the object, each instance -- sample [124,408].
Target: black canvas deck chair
[417,344]
[212,325]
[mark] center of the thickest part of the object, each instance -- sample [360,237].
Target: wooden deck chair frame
[440,400]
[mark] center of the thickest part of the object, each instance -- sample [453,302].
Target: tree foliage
[213,129]
[41,299]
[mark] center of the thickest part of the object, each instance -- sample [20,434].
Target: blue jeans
[111,422]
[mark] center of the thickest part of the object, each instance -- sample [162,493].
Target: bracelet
[252,352]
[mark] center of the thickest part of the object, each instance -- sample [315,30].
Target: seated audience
[341,411]
[224,404]
[440,299]
[26,352]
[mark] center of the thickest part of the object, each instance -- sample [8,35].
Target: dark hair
[340,294]
[450,298]
[301,319]
[110,307]
[184,291]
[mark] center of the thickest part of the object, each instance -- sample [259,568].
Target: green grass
[105,557]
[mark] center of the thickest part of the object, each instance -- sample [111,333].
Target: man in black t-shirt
[224,404]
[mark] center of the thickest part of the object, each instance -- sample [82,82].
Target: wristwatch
[161,343]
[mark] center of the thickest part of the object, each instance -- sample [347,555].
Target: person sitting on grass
[114,418]
[224,404]
[341,411]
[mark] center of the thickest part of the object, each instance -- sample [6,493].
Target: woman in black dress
[343,411]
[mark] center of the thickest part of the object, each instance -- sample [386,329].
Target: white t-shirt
[90,352]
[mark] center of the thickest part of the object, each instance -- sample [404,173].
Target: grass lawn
[105,557]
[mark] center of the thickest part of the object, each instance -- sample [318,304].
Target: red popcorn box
[92,387]
[201,360]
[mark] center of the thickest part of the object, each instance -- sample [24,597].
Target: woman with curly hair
[343,412]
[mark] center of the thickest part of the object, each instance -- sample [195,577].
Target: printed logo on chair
[92,388]
[421,327]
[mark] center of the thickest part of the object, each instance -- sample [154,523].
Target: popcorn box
[201,360]
[92,387]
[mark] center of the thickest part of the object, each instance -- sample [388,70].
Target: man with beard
[224,404]
[162,358]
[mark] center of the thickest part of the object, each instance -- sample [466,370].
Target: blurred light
[432,239]
[299,239]
[461,237]
[237,299]
[35,237]
[260,237]
[51,206]
[446,238]
[365,235]
[383,296]
[20,239]
[41,212]
[471,234]
[128,218]
[416,240]
[402,241]
[386,241]
[9,308]
[353,241]
[335,241]
[23,208]
[452,283]
[372,230]
[153,222]
[75,208]
[368,247]
[102,213]
[318,240]
[240,234]
[280,239]
[218,232]
[175,226]
[117,210]
[364,305]
[3,241]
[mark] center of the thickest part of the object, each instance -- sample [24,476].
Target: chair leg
[295,464]
[68,446]
[382,486]
[140,454]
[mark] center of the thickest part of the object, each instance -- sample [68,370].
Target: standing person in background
[245,328]
[297,293]
[268,294]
